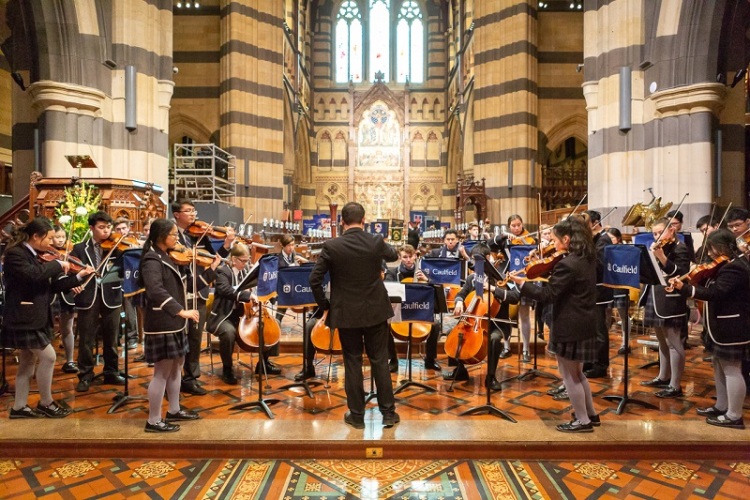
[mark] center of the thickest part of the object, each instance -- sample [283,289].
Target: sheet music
[252,275]
[657,268]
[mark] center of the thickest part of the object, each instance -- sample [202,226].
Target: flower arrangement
[80,201]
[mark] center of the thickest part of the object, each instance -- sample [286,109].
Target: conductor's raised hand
[191,314]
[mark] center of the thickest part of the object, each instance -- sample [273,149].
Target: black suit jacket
[604,295]
[572,292]
[30,286]
[669,304]
[727,316]
[109,286]
[354,262]
[228,299]
[165,293]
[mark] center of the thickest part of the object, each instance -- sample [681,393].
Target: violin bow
[539,227]
[605,216]
[577,206]
[195,264]
[710,220]
[673,217]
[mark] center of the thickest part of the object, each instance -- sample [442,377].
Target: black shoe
[229,378]
[70,367]
[459,374]
[393,366]
[25,412]
[271,369]
[561,396]
[526,357]
[495,386]
[53,410]
[723,421]
[182,415]
[656,382]
[576,426]
[132,345]
[669,393]
[140,358]
[557,390]
[356,422]
[305,374]
[505,353]
[623,349]
[162,426]
[711,411]
[192,388]
[431,364]
[596,421]
[389,419]
[595,373]
[83,385]
[114,379]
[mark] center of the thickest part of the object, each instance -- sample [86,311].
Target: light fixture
[188,4]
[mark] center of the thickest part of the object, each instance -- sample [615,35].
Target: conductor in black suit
[359,307]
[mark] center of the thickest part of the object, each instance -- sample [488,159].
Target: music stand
[261,403]
[493,276]
[81,161]
[534,371]
[650,274]
[124,397]
[305,382]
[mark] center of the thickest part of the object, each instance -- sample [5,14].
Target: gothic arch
[572,126]
[181,125]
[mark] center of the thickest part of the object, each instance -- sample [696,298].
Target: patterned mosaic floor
[373,479]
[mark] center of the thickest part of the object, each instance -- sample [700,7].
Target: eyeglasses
[191,211]
[173,234]
[735,225]
[243,260]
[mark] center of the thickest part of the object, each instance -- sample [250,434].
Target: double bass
[325,340]
[467,341]
[248,335]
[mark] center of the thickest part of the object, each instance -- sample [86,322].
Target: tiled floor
[431,440]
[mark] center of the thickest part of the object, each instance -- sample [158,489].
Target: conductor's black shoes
[83,385]
[192,388]
[391,419]
[354,421]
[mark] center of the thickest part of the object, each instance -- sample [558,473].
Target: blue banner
[517,254]
[622,266]
[468,245]
[646,239]
[268,276]
[308,224]
[420,218]
[419,305]
[294,287]
[131,261]
[442,271]
[479,274]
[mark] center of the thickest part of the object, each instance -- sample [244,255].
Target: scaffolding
[203,172]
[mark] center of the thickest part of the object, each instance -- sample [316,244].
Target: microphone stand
[124,397]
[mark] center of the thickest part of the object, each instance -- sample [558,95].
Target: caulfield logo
[287,288]
[415,305]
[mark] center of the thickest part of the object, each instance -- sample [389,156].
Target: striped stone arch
[572,126]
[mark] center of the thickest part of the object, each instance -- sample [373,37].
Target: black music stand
[534,371]
[650,274]
[305,382]
[124,397]
[261,403]
[487,408]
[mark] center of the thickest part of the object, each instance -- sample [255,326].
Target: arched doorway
[565,175]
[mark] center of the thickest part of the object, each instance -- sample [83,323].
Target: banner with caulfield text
[622,266]
[268,275]
[131,262]
[442,271]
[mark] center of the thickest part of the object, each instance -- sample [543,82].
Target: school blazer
[726,312]
[358,296]
[108,287]
[228,299]
[29,288]
[669,304]
[165,293]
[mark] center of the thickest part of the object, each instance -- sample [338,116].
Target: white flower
[81,211]
[64,219]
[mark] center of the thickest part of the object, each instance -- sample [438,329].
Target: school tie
[97,255]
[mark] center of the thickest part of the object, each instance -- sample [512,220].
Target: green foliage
[80,201]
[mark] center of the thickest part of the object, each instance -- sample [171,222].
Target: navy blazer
[109,286]
[354,262]
[669,304]
[29,288]
[572,292]
[165,293]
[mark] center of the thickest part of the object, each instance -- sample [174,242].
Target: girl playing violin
[519,236]
[165,322]
[571,291]
[27,324]
[667,312]
[726,327]
[228,306]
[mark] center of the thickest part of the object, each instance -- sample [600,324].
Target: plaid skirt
[25,339]
[650,319]
[727,352]
[577,350]
[159,346]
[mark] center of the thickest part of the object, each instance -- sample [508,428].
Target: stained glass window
[348,43]
[410,43]
[380,37]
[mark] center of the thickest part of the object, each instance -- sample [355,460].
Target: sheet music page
[655,264]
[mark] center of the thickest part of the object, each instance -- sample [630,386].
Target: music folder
[650,272]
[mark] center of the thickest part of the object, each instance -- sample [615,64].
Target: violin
[183,256]
[248,335]
[121,243]
[324,340]
[662,243]
[76,265]
[700,273]
[199,228]
[542,267]
[524,238]
[534,254]
[467,341]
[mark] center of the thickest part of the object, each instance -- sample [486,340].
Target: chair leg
[210,351]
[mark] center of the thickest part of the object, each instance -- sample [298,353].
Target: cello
[419,331]
[248,335]
[467,341]
[323,338]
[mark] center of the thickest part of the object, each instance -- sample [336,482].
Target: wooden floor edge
[159,449]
